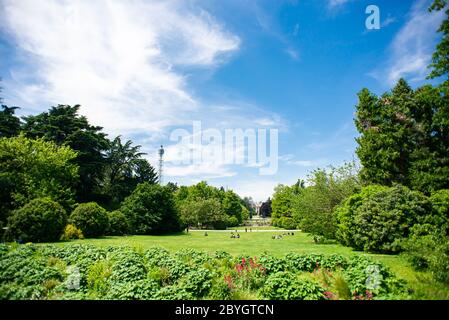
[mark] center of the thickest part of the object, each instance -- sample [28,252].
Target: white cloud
[336,3]
[118,59]
[412,47]
[294,54]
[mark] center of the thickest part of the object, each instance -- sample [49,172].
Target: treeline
[62,177]
[399,199]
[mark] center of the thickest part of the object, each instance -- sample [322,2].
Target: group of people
[279,236]
[233,236]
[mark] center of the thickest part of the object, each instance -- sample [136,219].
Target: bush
[71,232]
[346,213]
[428,250]
[233,221]
[91,219]
[118,224]
[197,282]
[381,220]
[150,209]
[286,286]
[41,220]
[286,223]
[366,277]
[440,206]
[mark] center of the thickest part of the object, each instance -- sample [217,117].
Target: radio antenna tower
[161,161]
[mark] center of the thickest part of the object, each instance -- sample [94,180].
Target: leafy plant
[287,286]
[71,232]
[40,220]
[91,219]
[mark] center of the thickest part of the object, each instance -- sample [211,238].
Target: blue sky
[145,68]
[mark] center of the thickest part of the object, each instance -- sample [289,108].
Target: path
[243,231]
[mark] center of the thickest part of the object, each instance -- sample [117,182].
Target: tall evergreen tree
[65,126]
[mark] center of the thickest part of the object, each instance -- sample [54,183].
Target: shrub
[71,232]
[440,206]
[272,264]
[364,276]
[286,286]
[233,221]
[118,224]
[429,251]
[91,219]
[382,219]
[197,282]
[144,289]
[41,220]
[150,209]
[345,213]
[286,223]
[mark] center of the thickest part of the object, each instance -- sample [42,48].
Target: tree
[64,126]
[265,209]
[206,213]
[313,207]
[440,58]
[232,205]
[282,203]
[150,209]
[9,123]
[125,169]
[249,204]
[404,137]
[32,169]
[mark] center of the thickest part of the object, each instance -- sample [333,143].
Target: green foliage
[231,222]
[24,273]
[9,123]
[364,276]
[40,220]
[287,286]
[32,169]
[64,126]
[207,213]
[118,224]
[314,206]
[232,205]
[404,137]
[145,289]
[346,213]
[91,219]
[151,209]
[124,273]
[440,58]
[125,169]
[197,282]
[440,206]
[427,249]
[379,221]
[71,232]
[285,222]
[282,202]
[206,206]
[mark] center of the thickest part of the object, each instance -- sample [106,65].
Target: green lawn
[255,243]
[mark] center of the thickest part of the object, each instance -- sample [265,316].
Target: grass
[255,243]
